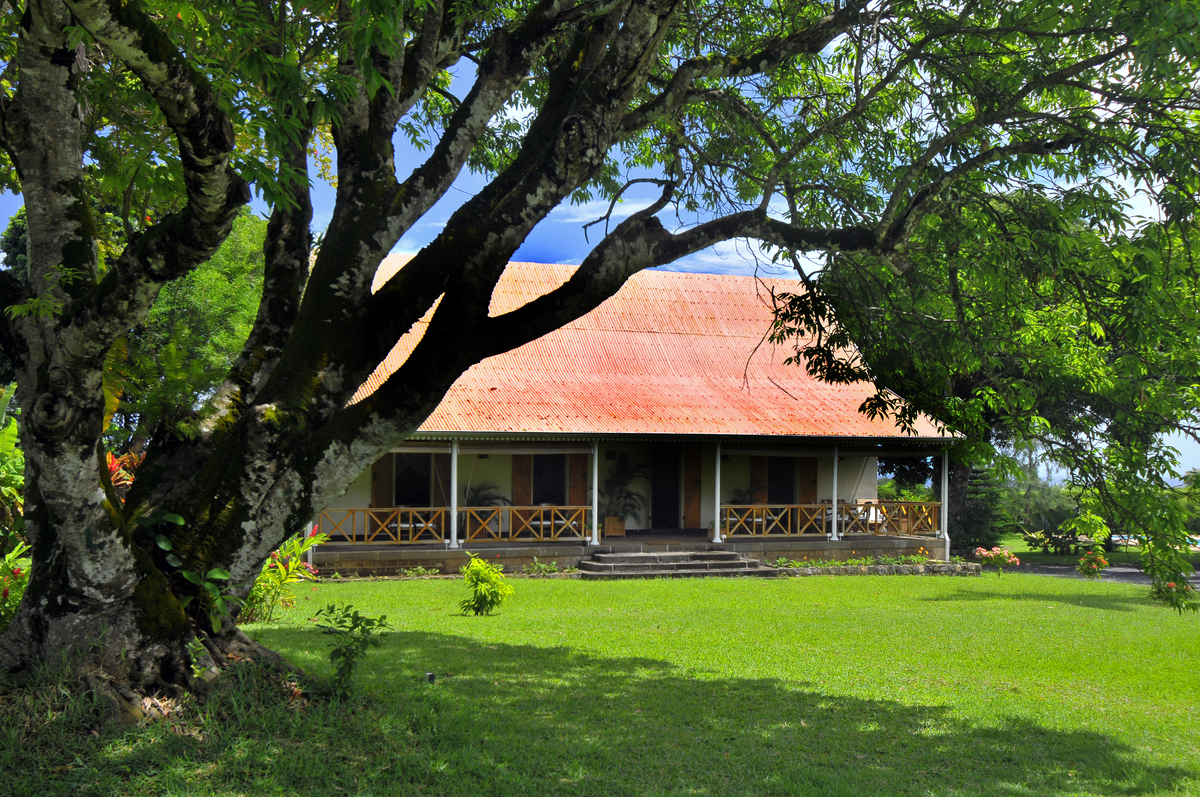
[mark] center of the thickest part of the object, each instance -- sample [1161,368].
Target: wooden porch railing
[790,520]
[533,523]
[403,525]
[399,525]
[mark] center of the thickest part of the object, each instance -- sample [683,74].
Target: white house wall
[496,470]
[735,475]
[358,494]
[849,470]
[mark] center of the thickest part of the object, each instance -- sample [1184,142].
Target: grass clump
[536,568]
[420,571]
[903,559]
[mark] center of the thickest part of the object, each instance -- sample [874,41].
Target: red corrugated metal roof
[670,353]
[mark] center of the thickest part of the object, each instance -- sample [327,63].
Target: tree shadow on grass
[1107,602]
[519,719]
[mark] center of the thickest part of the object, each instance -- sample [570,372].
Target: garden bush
[285,566]
[14,576]
[488,586]
[354,634]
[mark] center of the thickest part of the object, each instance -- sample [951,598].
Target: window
[549,479]
[413,476]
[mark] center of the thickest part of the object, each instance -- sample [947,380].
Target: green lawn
[1020,685]
[1122,555]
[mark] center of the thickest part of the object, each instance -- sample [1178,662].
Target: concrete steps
[682,564]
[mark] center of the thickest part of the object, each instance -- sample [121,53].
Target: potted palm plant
[484,494]
[618,500]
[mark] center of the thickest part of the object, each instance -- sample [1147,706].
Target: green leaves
[190,339]
[353,635]
[1026,318]
[489,588]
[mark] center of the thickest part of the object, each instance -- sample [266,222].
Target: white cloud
[735,257]
[590,211]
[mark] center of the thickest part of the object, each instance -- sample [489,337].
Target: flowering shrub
[1000,557]
[121,470]
[14,576]
[285,566]
[1179,595]
[1091,564]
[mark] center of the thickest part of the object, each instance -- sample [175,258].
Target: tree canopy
[846,128]
[1026,320]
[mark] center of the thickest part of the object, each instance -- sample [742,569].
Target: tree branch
[204,134]
[811,40]
[285,272]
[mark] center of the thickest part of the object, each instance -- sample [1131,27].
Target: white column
[944,509]
[833,527]
[717,497]
[453,493]
[595,493]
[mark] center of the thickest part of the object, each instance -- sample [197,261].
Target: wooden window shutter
[577,479]
[758,478]
[522,479]
[382,477]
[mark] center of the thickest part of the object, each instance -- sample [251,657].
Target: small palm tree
[617,498]
[744,496]
[485,494]
[481,495]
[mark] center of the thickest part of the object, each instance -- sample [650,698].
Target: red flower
[312,533]
[16,571]
[1170,585]
[4,594]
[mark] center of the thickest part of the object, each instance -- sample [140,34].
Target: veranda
[543,498]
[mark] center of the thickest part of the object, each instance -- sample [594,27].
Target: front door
[781,481]
[664,486]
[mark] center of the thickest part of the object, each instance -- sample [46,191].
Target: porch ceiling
[670,354]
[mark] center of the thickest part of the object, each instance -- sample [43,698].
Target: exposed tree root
[117,674]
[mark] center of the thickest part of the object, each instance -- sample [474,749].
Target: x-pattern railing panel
[396,525]
[764,520]
[883,517]
[547,522]
[909,517]
[484,524]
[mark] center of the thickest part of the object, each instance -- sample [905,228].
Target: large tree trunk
[93,590]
